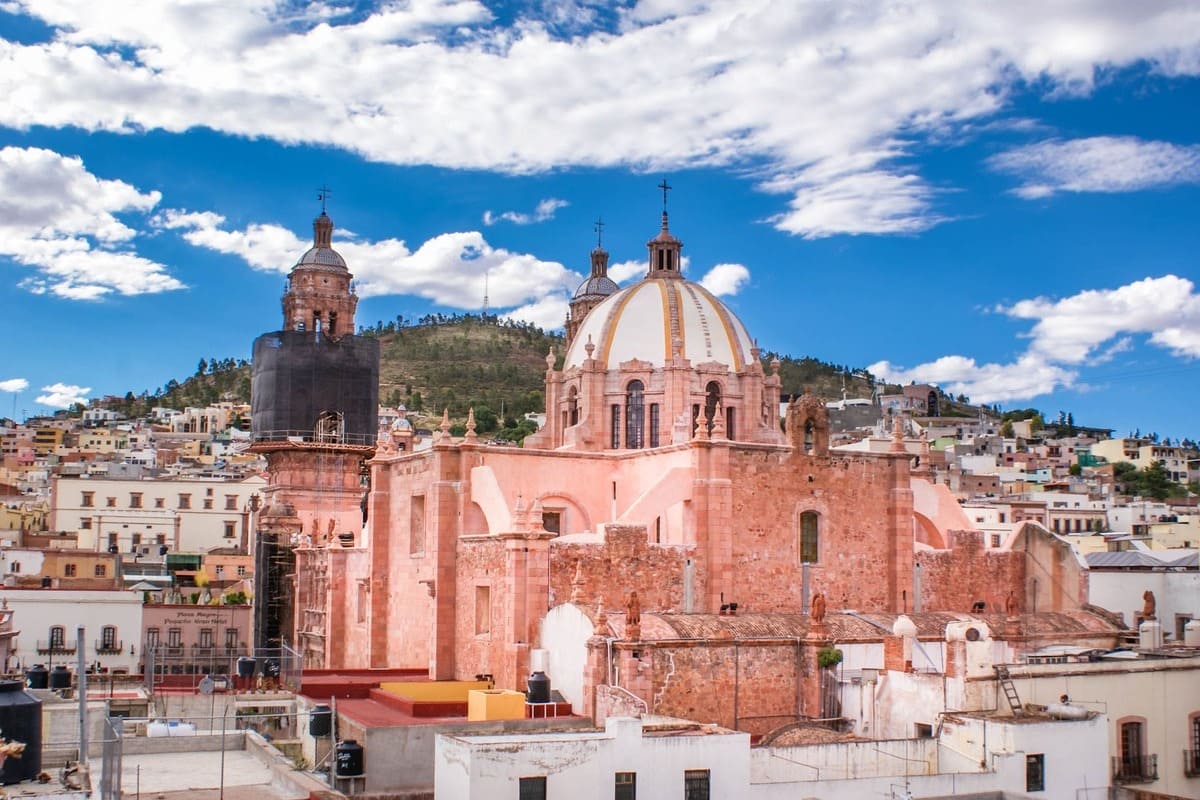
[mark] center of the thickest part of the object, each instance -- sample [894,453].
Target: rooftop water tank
[21,721]
[1191,633]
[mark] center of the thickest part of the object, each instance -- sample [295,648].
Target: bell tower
[665,249]
[314,415]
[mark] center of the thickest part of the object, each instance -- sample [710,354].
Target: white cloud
[726,279]
[545,210]
[14,385]
[61,220]
[1098,164]
[623,271]
[63,395]
[1085,329]
[824,103]
[548,313]
[448,269]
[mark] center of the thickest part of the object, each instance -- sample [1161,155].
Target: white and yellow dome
[654,317]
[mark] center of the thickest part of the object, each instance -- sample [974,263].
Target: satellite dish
[207,685]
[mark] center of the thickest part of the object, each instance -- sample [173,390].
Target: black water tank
[60,677]
[21,721]
[349,757]
[320,721]
[37,677]
[245,667]
[539,688]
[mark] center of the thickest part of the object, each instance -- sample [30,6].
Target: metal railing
[1135,769]
[53,647]
[310,437]
[181,667]
[109,648]
[1191,763]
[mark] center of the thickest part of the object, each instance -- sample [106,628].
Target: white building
[48,620]
[184,515]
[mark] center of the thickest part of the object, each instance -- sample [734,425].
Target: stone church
[661,502]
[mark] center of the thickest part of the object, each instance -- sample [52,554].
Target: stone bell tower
[314,415]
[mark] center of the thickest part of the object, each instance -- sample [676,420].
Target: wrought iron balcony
[1191,763]
[109,648]
[54,647]
[1135,769]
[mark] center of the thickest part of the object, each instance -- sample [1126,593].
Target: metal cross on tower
[599,228]
[665,188]
[323,195]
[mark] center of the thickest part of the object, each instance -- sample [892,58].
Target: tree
[1155,481]
[1075,470]
[1006,429]
[202,367]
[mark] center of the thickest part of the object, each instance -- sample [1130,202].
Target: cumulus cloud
[1098,164]
[61,221]
[450,269]
[548,313]
[545,210]
[726,279]
[14,385]
[623,271]
[825,103]
[63,395]
[1085,329]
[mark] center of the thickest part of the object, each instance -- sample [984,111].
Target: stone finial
[897,435]
[550,358]
[520,515]
[577,583]
[601,628]
[471,437]
[700,424]
[718,430]
[589,348]
[535,516]
[775,365]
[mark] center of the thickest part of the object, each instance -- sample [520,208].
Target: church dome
[596,287]
[321,255]
[642,321]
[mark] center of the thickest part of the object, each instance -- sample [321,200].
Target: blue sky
[999,198]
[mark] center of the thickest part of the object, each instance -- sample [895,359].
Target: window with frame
[14,566]
[100,570]
[206,637]
[230,530]
[58,636]
[809,537]
[533,788]
[160,502]
[85,524]
[208,504]
[1035,772]
[552,520]
[231,638]
[135,499]
[625,786]
[219,570]
[712,399]
[89,500]
[695,784]
[615,442]
[635,411]
[151,637]
[231,502]
[241,570]
[655,421]
[110,502]
[185,501]
[70,570]
[108,637]
[174,637]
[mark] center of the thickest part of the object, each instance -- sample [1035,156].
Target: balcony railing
[1135,769]
[54,647]
[109,648]
[1191,763]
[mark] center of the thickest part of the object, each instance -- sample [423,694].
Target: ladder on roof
[1010,691]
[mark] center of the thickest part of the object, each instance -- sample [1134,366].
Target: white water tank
[1150,636]
[1191,633]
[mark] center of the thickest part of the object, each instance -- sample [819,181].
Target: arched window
[808,436]
[635,415]
[572,406]
[809,537]
[712,399]
[1133,765]
[58,637]
[108,637]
